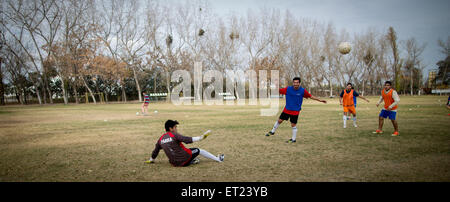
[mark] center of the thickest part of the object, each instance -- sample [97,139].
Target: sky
[425,20]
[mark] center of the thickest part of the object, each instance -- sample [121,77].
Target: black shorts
[195,153]
[292,118]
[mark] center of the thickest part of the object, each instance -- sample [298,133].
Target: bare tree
[445,46]
[108,15]
[132,39]
[413,61]
[392,39]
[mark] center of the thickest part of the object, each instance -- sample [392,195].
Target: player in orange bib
[391,100]
[346,100]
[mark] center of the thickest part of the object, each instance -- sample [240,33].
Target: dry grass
[110,143]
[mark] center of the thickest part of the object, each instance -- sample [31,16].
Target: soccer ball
[137,113]
[156,112]
[345,48]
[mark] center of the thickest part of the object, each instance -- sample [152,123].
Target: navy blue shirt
[355,94]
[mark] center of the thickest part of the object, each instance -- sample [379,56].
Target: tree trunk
[411,81]
[43,89]
[2,88]
[106,96]
[75,93]
[154,83]
[138,87]
[331,88]
[37,93]
[124,95]
[50,96]
[25,95]
[168,86]
[63,87]
[89,89]
[46,86]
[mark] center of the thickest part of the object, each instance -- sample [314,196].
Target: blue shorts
[385,113]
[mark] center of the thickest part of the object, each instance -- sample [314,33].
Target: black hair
[297,78]
[350,84]
[170,124]
[388,82]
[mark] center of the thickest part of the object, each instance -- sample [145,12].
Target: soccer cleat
[291,141]
[270,133]
[395,133]
[149,162]
[378,132]
[196,161]
[221,157]
[345,126]
[354,124]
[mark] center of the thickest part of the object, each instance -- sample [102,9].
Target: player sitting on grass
[172,144]
[347,99]
[294,99]
[391,99]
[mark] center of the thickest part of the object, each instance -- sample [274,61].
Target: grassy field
[110,143]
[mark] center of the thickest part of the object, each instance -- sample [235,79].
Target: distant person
[354,100]
[347,100]
[294,100]
[448,103]
[172,144]
[391,100]
[145,104]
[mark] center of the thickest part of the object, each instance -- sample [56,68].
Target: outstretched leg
[275,126]
[206,154]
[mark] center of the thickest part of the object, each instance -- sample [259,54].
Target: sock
[354,119]
[275,127]
[208,155]
[345,120]
[294,133]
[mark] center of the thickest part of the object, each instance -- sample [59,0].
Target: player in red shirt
[172,144]
[294,100]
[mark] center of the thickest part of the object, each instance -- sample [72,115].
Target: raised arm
[362,97]
[317,99]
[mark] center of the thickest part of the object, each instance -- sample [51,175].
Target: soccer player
[347,99]
[172,144]
[391,100]
[145,104]
[448,103]
[294,99]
